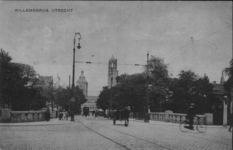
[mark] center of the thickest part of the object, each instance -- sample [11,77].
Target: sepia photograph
[116,75]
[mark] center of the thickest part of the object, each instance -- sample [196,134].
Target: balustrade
[27,116]
[169,116]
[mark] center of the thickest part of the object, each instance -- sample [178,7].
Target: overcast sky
[126,30]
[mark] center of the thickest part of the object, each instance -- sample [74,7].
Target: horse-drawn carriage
[121,115]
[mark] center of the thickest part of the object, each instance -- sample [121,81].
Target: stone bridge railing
[27,116]
[21,116]
[169,116]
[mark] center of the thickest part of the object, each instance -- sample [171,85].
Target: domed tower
[112,72]
[82,83]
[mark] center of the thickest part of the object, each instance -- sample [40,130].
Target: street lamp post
[146,116]
[111,94]
[111,73]
[73,99]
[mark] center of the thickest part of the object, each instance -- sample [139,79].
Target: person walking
[47,114]
[231,115]
[93,113]
[230,123]
[64,115]
[96,113]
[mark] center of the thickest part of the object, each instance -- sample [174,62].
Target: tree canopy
[190,88]
[16,83]
[62,97]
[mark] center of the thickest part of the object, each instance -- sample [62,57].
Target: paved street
[101,134]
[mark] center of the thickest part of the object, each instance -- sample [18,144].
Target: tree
[39,101]
[159,79]
[103,100]
[16,83]
[63,97]
[190,88]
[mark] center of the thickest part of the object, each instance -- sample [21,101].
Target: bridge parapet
[27,116]
[21,116]
[169,116]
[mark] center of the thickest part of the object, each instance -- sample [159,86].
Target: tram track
[197,137]
[132,136]
[105,136]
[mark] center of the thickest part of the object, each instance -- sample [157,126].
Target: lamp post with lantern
[111,71]
[73,98]
[146,114]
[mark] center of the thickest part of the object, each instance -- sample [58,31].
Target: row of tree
[166,93]
[18,89]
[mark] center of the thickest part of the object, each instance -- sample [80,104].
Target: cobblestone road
[101,134]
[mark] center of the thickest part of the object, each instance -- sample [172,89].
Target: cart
[121,115]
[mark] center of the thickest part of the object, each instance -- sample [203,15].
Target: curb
[49,123]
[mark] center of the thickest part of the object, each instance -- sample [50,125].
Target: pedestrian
[60,115]
[230,124]
[231,115]
[64,115]
[93,113]
[47,114]
[82,113]
[96,114]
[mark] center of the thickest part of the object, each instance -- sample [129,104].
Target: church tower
[82,83]
[222,78]
[112,72]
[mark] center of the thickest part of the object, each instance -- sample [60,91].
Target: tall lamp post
[111,68]
[111,94]
[73,98]
[147,115]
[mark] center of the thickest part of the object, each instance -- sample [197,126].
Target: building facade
[222,117]
[46,83]
[91,103]
[112,72]
[83,84]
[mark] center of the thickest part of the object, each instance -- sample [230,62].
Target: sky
[193,36]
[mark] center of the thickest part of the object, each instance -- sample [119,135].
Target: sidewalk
[53,121]
[173,124]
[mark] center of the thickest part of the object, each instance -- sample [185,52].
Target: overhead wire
[193,44]
[128,16]
[88,62]
[198,40]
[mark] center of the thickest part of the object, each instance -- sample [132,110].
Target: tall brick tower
[112,72]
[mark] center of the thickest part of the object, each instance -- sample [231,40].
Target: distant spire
[82,74]
[112,58]
[222,78]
